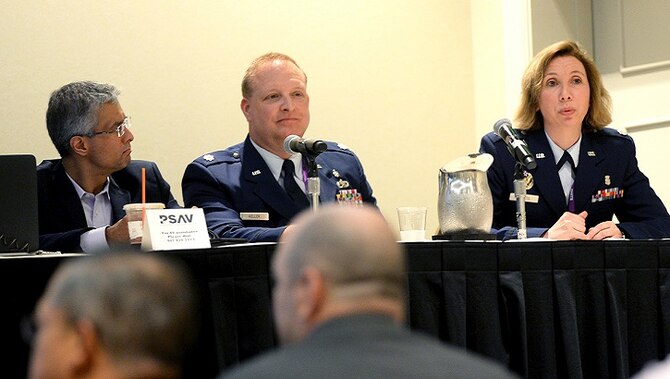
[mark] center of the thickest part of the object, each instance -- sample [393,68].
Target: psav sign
[174,229]
[176,219]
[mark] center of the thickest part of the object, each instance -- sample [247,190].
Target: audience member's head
[115,316]
[339,261]
[339,304]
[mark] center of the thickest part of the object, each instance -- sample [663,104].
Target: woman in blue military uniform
[586,173]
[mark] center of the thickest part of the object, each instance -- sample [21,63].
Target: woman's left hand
[607,229]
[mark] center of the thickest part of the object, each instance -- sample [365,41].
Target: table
[544,309]
[547,309]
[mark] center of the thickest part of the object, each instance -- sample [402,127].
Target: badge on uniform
[528,179]
[341,184]
[607,194]
[208,157]
[607,180]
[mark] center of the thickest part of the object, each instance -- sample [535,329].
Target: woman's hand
[570,226]
[606,229]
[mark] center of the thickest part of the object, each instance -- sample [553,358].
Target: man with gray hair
[121,315]
[339,306]
[81,196]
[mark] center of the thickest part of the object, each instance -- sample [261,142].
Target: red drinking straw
[144,194]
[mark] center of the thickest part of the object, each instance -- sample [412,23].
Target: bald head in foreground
[339,305]
[115,316]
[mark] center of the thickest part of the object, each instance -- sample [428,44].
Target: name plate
[254,216]
[529,198]
[174,229]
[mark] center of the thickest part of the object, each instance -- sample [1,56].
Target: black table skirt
[544,309]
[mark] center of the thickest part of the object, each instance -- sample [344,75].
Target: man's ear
[86,349]
[311,293]
[79,145]
[244,105]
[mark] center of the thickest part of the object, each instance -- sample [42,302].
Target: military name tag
[529,198]
[255,216]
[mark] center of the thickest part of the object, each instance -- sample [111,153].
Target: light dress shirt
[98,211]
[275,165]
[565,172]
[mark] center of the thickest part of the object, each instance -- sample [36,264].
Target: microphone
[294,144]
[515,144]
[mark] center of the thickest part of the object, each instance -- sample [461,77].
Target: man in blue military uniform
[253,189]
[586,173]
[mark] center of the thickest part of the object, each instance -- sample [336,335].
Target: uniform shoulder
[339,148]
[230,155]
[613,136]
[612,133]
[491,137]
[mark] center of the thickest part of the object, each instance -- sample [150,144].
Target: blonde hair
[253,68]
[528,116]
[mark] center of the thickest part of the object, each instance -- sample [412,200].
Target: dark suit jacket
[227,182]
[368,346]
[606,163]
[61,216]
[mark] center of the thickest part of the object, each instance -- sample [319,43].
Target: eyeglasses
[119,130]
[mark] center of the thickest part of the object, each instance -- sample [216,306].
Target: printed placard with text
[174,229]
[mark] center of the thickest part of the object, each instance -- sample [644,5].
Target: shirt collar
[275,163]
[572,150]
[81,192]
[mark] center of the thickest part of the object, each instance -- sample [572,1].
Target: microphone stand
[313,181]
[520,195]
